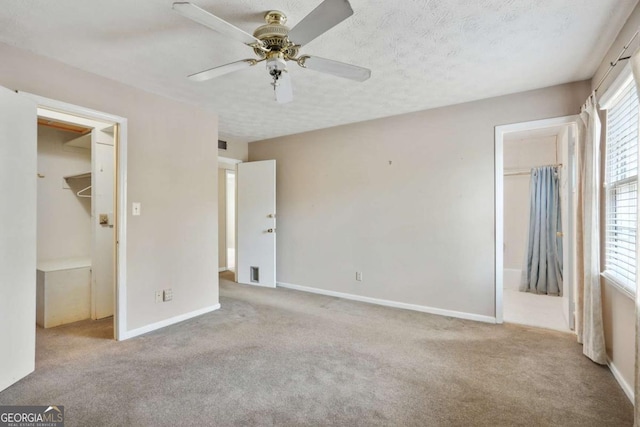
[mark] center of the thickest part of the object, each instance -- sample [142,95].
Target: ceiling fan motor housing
[274,36]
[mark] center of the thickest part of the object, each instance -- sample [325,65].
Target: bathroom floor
[543,311]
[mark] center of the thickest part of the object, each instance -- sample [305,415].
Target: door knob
[271,230]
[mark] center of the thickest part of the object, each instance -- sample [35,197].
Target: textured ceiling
[422,53]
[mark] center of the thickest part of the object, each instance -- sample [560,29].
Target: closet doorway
[535,199]
[19,275]
[76,220]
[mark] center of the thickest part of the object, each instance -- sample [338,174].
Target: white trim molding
[168,322]
[626,387]
[221,269]
[611,281]
[614,91]
[388,303]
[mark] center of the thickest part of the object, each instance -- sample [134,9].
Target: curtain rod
[525,172]
[618,59]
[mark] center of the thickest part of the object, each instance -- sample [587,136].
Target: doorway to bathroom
[525,152]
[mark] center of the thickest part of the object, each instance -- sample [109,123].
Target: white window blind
[621,184]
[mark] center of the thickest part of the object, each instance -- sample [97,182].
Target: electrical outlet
[359,276]
[168,294]
[158,296]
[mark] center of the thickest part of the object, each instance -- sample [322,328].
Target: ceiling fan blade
[339,69]
[222,70]
[324,17]
[283,89]
[201,16]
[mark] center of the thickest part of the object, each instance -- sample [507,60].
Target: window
[621,186]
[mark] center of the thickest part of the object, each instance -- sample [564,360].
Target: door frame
[229,218]
[120,309]
[235,162]
[500,132]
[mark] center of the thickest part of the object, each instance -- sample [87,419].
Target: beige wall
[407,200]
[171,170]
[619,329]
[64,219]
[521,154]
[619,309]
[235,150]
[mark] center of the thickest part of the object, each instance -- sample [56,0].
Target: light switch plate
[136,209]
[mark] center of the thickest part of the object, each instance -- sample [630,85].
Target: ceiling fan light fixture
[276,65]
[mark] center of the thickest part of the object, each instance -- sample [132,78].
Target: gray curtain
[542,272]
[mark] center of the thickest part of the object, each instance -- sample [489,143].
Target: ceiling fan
[276,44]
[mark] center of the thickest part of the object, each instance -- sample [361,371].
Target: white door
[256,223]
[18,169]
[102,216]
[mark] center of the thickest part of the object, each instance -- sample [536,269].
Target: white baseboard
[168,322]
[388,303]
[221,269]
[626,387]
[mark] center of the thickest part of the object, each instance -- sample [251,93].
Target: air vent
[222,145]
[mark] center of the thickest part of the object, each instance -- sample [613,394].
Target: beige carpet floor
[282,357]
